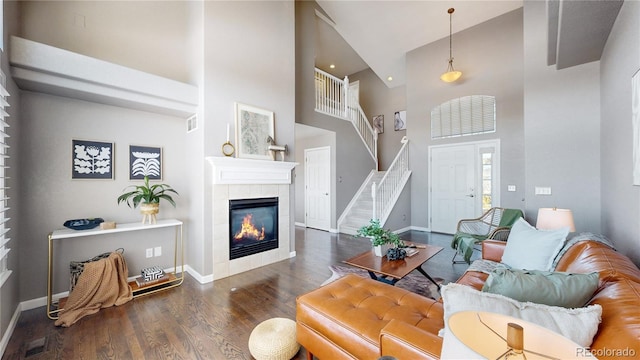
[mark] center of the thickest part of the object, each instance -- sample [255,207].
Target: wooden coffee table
[390,272]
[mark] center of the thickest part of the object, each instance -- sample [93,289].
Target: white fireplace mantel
[229,170]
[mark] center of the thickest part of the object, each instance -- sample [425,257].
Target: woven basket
[274,339]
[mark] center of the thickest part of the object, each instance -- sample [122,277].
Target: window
[487,181]
[4,229]
[468,115]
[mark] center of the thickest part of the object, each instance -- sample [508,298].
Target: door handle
[470,195]
[326,193]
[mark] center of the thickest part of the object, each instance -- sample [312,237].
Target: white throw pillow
[579,325]
[531,249]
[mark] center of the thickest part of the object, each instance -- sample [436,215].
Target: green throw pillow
[543,287]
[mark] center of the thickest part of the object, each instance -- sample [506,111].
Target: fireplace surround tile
[245,179]
[224,267]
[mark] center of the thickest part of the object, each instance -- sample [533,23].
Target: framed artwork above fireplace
[253,127]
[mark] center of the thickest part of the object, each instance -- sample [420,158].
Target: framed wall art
[378,123]
[145,161]
[400,120]
[253,127]
[91,159]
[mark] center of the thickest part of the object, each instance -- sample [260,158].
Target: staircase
[333,99]
[378,194]
[360,210]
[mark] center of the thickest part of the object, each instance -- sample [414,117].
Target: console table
[171,282]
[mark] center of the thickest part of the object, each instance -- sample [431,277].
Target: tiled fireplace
[254,189]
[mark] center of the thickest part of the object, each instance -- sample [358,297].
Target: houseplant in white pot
[148,197]
[381,239]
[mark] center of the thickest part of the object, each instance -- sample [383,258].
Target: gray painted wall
[253,63]
[562,129]
[143,35]
[353,162]
[50,196]
[620,200]
[490,56]
[377,99]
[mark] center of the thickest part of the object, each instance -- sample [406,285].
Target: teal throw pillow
[543,287]
[533,249]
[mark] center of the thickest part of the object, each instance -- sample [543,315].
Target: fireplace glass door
[253,226]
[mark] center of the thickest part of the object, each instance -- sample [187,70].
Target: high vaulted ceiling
[356,35]
[382,32]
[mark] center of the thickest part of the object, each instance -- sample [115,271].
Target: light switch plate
[157,251]
[543,190]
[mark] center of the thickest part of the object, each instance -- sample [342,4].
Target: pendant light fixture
[451,74]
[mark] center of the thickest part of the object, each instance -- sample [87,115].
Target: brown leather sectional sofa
[358,318]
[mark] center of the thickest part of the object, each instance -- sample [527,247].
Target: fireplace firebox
[253,226]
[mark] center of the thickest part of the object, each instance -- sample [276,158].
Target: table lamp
[497,336]
[554,218]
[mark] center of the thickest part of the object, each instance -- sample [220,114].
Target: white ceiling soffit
[47,69]
[382,32]
[578,30]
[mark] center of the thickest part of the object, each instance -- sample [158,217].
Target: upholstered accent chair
[494,224]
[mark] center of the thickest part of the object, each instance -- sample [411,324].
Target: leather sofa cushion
[590,256]
[351,312]
[620,326]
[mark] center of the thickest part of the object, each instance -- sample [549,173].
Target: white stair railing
[330,94]
[333,98]
[386,192]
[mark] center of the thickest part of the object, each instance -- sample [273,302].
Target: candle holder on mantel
[228,149]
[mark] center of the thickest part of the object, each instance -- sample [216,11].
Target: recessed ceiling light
[332,66]
[390,78]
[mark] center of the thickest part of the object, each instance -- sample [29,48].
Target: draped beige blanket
[102,284]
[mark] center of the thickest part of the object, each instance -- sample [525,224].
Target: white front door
[317,177]
[453,186]
[464,182]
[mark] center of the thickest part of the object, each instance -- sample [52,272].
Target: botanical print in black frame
[145,161]
[91,159]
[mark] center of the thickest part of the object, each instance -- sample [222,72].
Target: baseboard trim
[292,254]
[202,279]
[300,224]
[419,228]
[404,229]
[9,331]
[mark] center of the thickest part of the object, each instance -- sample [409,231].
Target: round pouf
[274,339]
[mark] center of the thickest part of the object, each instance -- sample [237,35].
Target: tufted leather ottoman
[344,319]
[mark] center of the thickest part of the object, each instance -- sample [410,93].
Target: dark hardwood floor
[210,321]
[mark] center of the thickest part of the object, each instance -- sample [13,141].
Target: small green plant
[147,194]
[378,235]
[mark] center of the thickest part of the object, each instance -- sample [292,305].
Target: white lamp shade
[554,218]
[451,76]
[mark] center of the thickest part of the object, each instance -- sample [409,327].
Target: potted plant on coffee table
[148,197]
[383,240]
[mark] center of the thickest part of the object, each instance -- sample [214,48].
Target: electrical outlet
[149,252]
[511,188]
[157,251]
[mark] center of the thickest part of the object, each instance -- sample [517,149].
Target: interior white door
[453,186]
[317,177]
[354,92]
